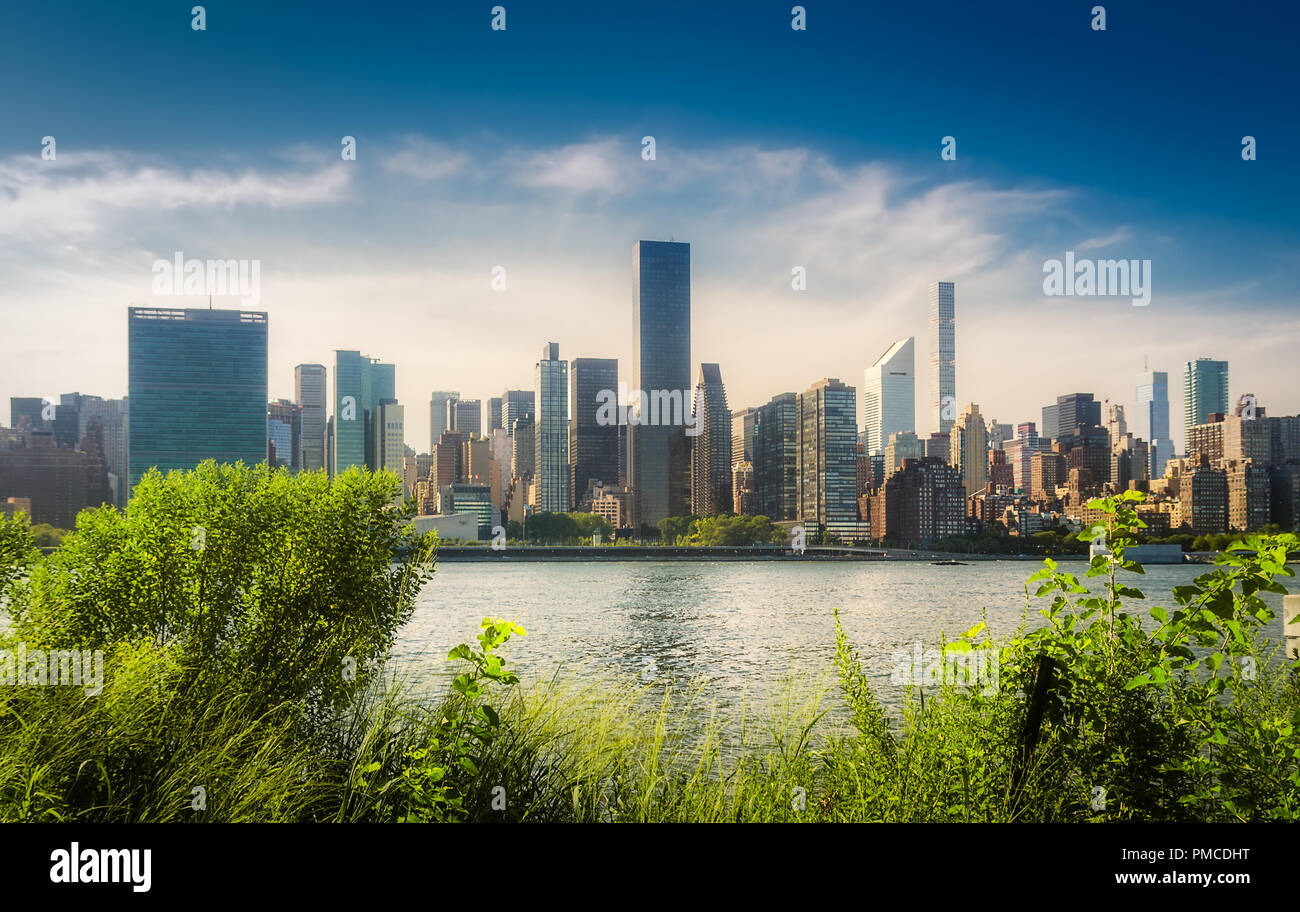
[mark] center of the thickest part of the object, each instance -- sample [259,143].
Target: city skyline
[394,252]
[1137,402]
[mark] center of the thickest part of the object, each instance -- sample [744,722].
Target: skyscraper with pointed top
[711,478]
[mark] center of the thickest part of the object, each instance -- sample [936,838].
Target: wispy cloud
[425,160]
[79,194]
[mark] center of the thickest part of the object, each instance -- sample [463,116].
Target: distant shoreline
[579,553]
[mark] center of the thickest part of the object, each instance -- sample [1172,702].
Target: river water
[737,628]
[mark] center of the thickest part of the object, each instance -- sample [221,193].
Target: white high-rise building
[889,395]
[943,355]
[392,437]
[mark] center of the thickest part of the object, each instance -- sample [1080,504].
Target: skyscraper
[494,415]
[27,411]
[711,478]
[516,404]
[1151,421]
[438,415]
[828,461]
[742,435]
[1205,392]
[361,383]
[593,439]
[661,367]
[309,392]
[943,355]
[776,458]
[1061,420]
[114,418]
[551,440]
[284,434]
[969,440]
[390,425]
[197,381]
[889,395]
[465,417]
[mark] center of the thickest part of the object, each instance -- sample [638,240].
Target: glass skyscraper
[943,355]
[197,381]
[309,390]
[776,458]
[551,436]
[661,366]
[593,446]
[889,395]
[828,457]
[1151,421]
[1205,392]
[360,384]
[516,404]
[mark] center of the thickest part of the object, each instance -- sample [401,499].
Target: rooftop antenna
[209,302]
[1146,367]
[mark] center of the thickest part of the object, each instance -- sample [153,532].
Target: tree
[674,528]
[589,523]
[283,588]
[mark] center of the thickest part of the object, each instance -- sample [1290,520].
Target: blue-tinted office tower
[1151,422]
[360,385]
[197,381]
[1205,393]
[658,454]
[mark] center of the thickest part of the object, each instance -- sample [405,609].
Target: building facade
[309,391]
[889,396]
[943,355]
[197,388]
[551,438]
[593,438]
[661,365]
[828,474]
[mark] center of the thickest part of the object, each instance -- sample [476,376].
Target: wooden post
[1291,625]
[1044,684]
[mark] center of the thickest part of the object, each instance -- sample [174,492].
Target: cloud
[80,194]
[402,258]
[425,160]
[1119,235]
[580,168]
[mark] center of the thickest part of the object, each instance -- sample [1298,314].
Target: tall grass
[229,693]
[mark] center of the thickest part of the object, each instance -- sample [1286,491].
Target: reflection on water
[740,628]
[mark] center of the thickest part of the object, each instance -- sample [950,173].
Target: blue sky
[775,148]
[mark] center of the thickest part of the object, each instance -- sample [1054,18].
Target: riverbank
[707,553]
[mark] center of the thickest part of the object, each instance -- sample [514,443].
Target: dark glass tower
[197,381]
[711,450]
[661,365]
[776,458]
[828,462]
[593,445]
